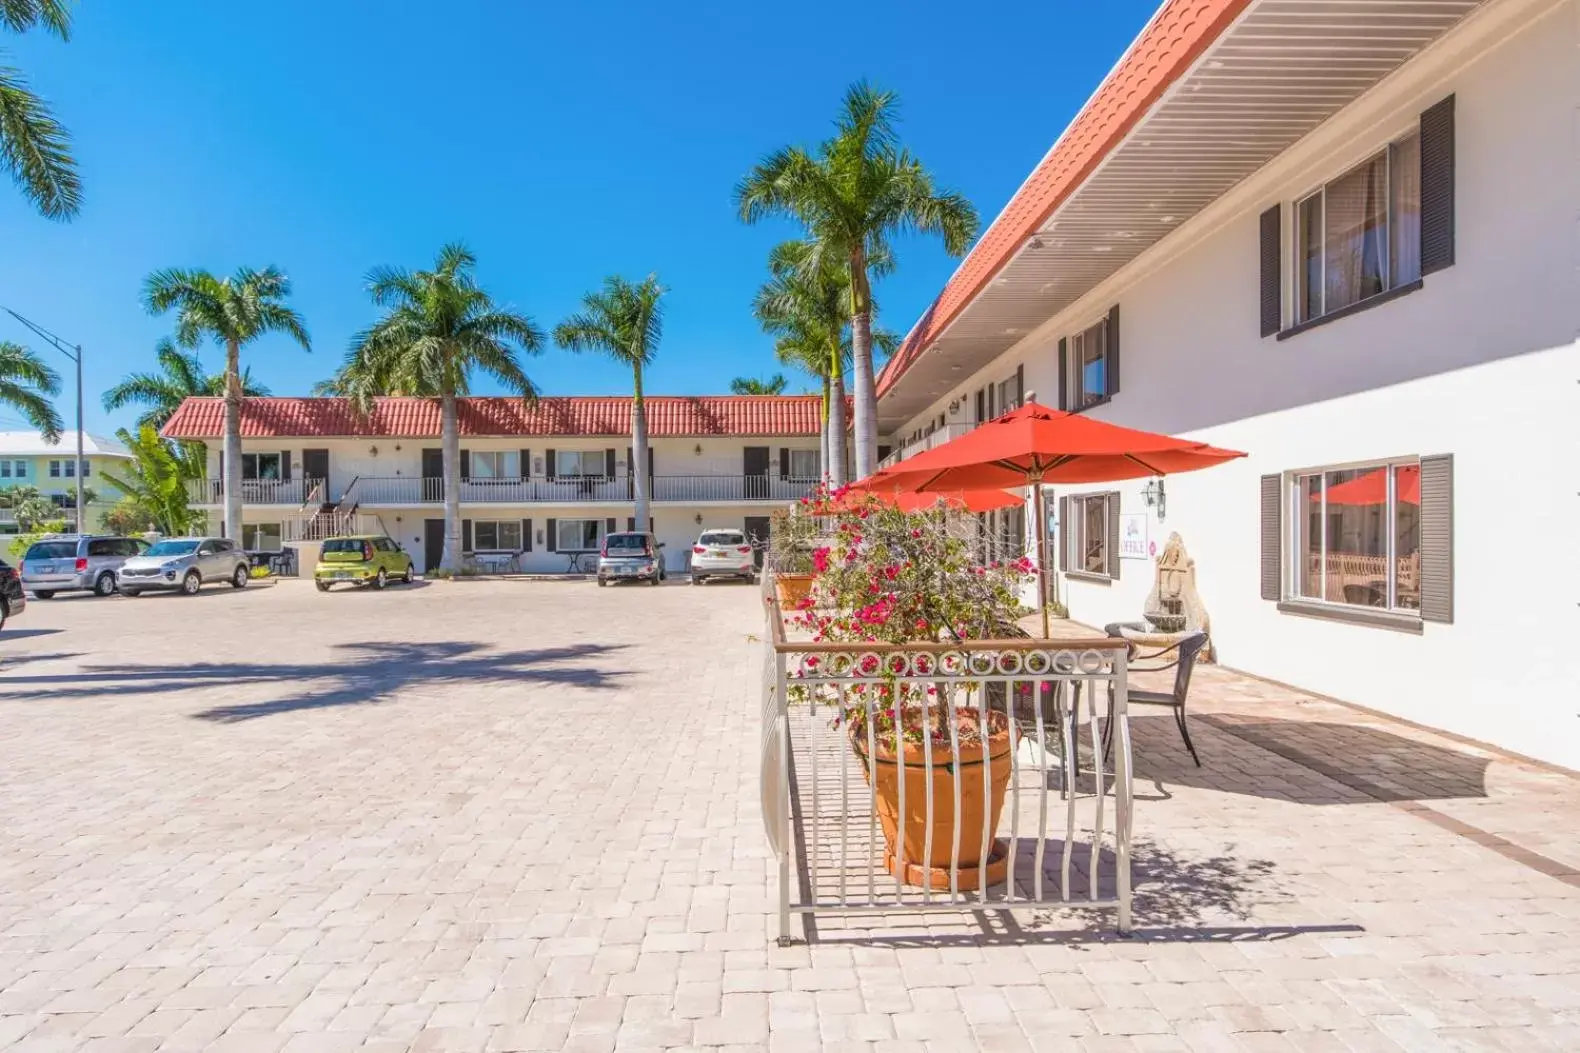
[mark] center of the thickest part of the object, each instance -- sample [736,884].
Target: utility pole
[73,352]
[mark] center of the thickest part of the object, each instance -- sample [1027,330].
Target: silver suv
[185,563]
[76,563]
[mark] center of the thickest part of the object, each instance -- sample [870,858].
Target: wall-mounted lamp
[373,451]
[540,537]
[699,518]
[698,450]
[1155,497]
[397,447]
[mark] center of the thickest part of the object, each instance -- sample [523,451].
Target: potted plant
[792,538]
[893,577]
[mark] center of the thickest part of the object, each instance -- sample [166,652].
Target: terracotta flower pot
[792,589]
[932,869]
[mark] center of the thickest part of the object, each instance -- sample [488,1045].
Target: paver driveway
[523,815]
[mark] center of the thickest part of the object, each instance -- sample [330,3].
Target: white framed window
[496,464]
[804,465]
[1007,395]
[1087,380]
[1088,545]
[260,466]
[262,537]
[497,535]
[57,469]
[1354,535]
[21,469]
[578,535]
[580,463]
[5,469]
[1360,234]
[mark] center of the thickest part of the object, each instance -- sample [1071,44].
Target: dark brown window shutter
[285,466]
[466,464]
[630,522]
[549,467]
[554,541]
[1064,531]
[526,535]
[981,405]
[611,525]
[1111,367]
[650,466]
[608,464]
[1272,224]
[466,535]
[1020,388]
[1437,187]
[526,464]
[1437,538]
[1064,379]
[1113,534]
[1272,537]
[784,463]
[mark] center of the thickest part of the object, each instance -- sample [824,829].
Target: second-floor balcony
[374,491]
[926,442]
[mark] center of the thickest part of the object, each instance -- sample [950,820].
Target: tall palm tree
[852,196]
[774,385]
[232,312]
[808,352]
[625,321]
[439,328]
[34,148]
[180,377]
[26,385]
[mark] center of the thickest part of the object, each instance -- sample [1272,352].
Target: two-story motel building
[1342,237]
[540,483]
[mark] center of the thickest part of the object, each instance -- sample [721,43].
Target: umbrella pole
[1042,554]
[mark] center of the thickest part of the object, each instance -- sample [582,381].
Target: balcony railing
[253,491]
[926,442]
[400,490]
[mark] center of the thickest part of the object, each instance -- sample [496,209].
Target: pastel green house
[26,459]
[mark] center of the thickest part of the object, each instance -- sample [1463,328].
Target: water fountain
[1173,608]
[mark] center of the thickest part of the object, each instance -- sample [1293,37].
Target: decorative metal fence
[834,800]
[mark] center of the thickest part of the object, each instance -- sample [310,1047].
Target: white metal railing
[820,792]
[926,442]
[253,491]
[316,526]
[416,490]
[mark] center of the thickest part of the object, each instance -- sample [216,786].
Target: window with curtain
[496,535]
[1086,548]
[496,464]
[578,535]
[260,466]
[1088,366]
[1360,235]
[580,462]
[1356,535]
[803,465]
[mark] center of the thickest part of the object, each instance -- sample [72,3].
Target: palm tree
[26,385]
[180,377]
[439,328]
[774,385]
[234,312]
[859,190]
[625,321]
[154,482]
[34,148]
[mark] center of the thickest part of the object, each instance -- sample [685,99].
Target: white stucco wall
[1481,363]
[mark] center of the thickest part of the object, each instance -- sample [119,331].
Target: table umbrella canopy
[1372,487]
[1035,444]
[955,500]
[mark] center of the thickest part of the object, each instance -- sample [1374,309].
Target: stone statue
[1174,605]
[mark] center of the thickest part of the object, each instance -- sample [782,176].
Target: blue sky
[561,142]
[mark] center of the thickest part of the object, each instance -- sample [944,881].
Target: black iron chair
[1185,652]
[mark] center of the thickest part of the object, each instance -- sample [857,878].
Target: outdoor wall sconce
[397,447]
[1155,497]
[373,451]
[699,518]
[699,449]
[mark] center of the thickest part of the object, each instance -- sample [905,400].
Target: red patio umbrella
[1372,487]
[913,501]
[1034,445]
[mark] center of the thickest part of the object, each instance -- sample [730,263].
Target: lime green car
[368,559]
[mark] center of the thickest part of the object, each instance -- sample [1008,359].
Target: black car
[12,598]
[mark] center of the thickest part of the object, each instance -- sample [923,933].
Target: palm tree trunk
[836,423]
[450,442]
[822,430]
[866,430]
[639,478]
[230,453]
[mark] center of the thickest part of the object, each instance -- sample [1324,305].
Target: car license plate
[625,572]
[717,553]
[342,574]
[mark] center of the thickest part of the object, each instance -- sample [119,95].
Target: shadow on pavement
[359,673]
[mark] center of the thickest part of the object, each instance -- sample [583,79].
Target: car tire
[321,586]
[104,584]
[131,594]
[697,579]
[5,612]
[601,581]
[43,594]
[239,579]
[406,579]
[191,583]
[381,579]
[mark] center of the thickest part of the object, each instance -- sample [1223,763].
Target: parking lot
[523,815]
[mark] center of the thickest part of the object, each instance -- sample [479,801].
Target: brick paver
[516,816]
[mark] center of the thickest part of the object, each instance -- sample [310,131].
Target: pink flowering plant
[893,577]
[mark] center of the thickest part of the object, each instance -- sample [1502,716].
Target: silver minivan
[76,563]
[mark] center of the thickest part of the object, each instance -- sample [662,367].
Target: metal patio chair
[1185,652]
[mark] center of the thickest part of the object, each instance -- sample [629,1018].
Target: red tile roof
[667,416]
[1175,38]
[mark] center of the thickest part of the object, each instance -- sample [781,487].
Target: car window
[129,547]
[51,550]
[722,537]
[224,545]
[172,548]
[343,544]
[101,547]
[627,542]
[205,547]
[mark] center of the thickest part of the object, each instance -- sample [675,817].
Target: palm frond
[36,149]
[21,15]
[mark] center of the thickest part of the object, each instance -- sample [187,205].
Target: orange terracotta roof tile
[667,416]
[1175,38]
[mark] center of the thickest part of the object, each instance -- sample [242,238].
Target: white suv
[722,554]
